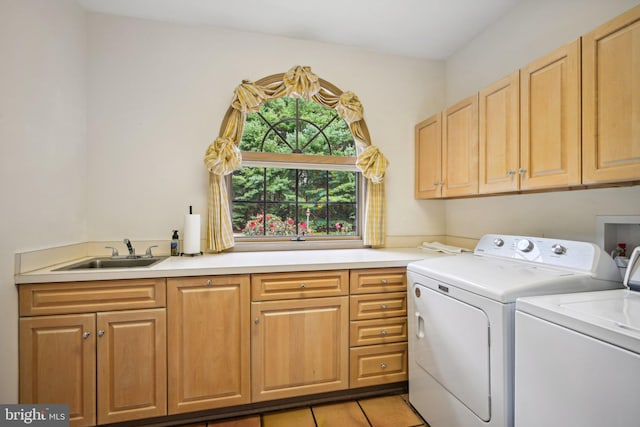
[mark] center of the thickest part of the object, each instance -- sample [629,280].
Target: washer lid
[611,316]
[503,279]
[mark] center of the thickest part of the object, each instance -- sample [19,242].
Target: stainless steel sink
[105,263]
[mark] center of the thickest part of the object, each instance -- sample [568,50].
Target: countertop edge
[238,263]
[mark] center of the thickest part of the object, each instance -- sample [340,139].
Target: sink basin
[105,263]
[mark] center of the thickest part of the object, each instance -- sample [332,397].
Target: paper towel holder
[199,252]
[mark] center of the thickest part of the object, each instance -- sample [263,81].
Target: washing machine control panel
[557,252]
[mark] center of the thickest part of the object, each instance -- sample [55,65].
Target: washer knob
[525,245]
[498,242]
[558,249]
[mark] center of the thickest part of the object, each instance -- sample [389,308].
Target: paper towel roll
[191,244]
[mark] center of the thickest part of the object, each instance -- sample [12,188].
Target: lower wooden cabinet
[58,364]
[378,327]
[109,367]
[212,346]
[208,342]
[132,373]
[299,347]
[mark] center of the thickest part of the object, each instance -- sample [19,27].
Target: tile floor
[387,411]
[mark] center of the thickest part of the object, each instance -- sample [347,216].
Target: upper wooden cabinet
[208,342]
[460,148]
[550,120]
[499,136]
[428,158]
[611,100]
[446,150]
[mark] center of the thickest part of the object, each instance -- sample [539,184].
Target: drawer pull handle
[384,281]
[209,282]
[383,306]
[85,335]
[383,333]
[383,365]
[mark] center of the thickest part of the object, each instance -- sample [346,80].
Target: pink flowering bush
[273,224]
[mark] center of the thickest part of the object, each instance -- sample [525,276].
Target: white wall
[158,93]
[42,146]
[529,31]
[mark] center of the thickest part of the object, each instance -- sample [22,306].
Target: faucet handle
[114,251]
[148,253]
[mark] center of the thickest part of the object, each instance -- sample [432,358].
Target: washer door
[452,345]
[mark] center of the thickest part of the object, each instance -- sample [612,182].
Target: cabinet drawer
[378,364]
[376,306]
[83,297]
[378,280]
[378,331]
[304,284]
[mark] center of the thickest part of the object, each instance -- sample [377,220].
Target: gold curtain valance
[223,155]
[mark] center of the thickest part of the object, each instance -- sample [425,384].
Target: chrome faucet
[131,249]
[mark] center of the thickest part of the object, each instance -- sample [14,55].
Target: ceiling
[431,29]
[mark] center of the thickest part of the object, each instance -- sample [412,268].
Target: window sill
[245,246]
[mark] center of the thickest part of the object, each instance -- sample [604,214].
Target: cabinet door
[611,100]
[208,342]
[58,364]
[550,120]
[299,347]
[499,136]
[428,158]
[460,148]
[131,365]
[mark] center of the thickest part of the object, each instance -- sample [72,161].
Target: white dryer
[578,358]
[461,321]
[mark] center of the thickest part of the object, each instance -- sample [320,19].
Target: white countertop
[238,263]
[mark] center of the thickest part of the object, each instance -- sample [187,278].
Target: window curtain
[223,155]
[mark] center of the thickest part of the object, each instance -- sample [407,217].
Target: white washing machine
[578,358]
[461,321]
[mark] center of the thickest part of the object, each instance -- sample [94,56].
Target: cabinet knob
[511,172]
[383,365]
[85,335]
[100,333]
[522,171]
[257,320]
[302,286]
[383,306]
[384,281]
[383,332]
[209,282]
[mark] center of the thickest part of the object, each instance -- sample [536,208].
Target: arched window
[293,149]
